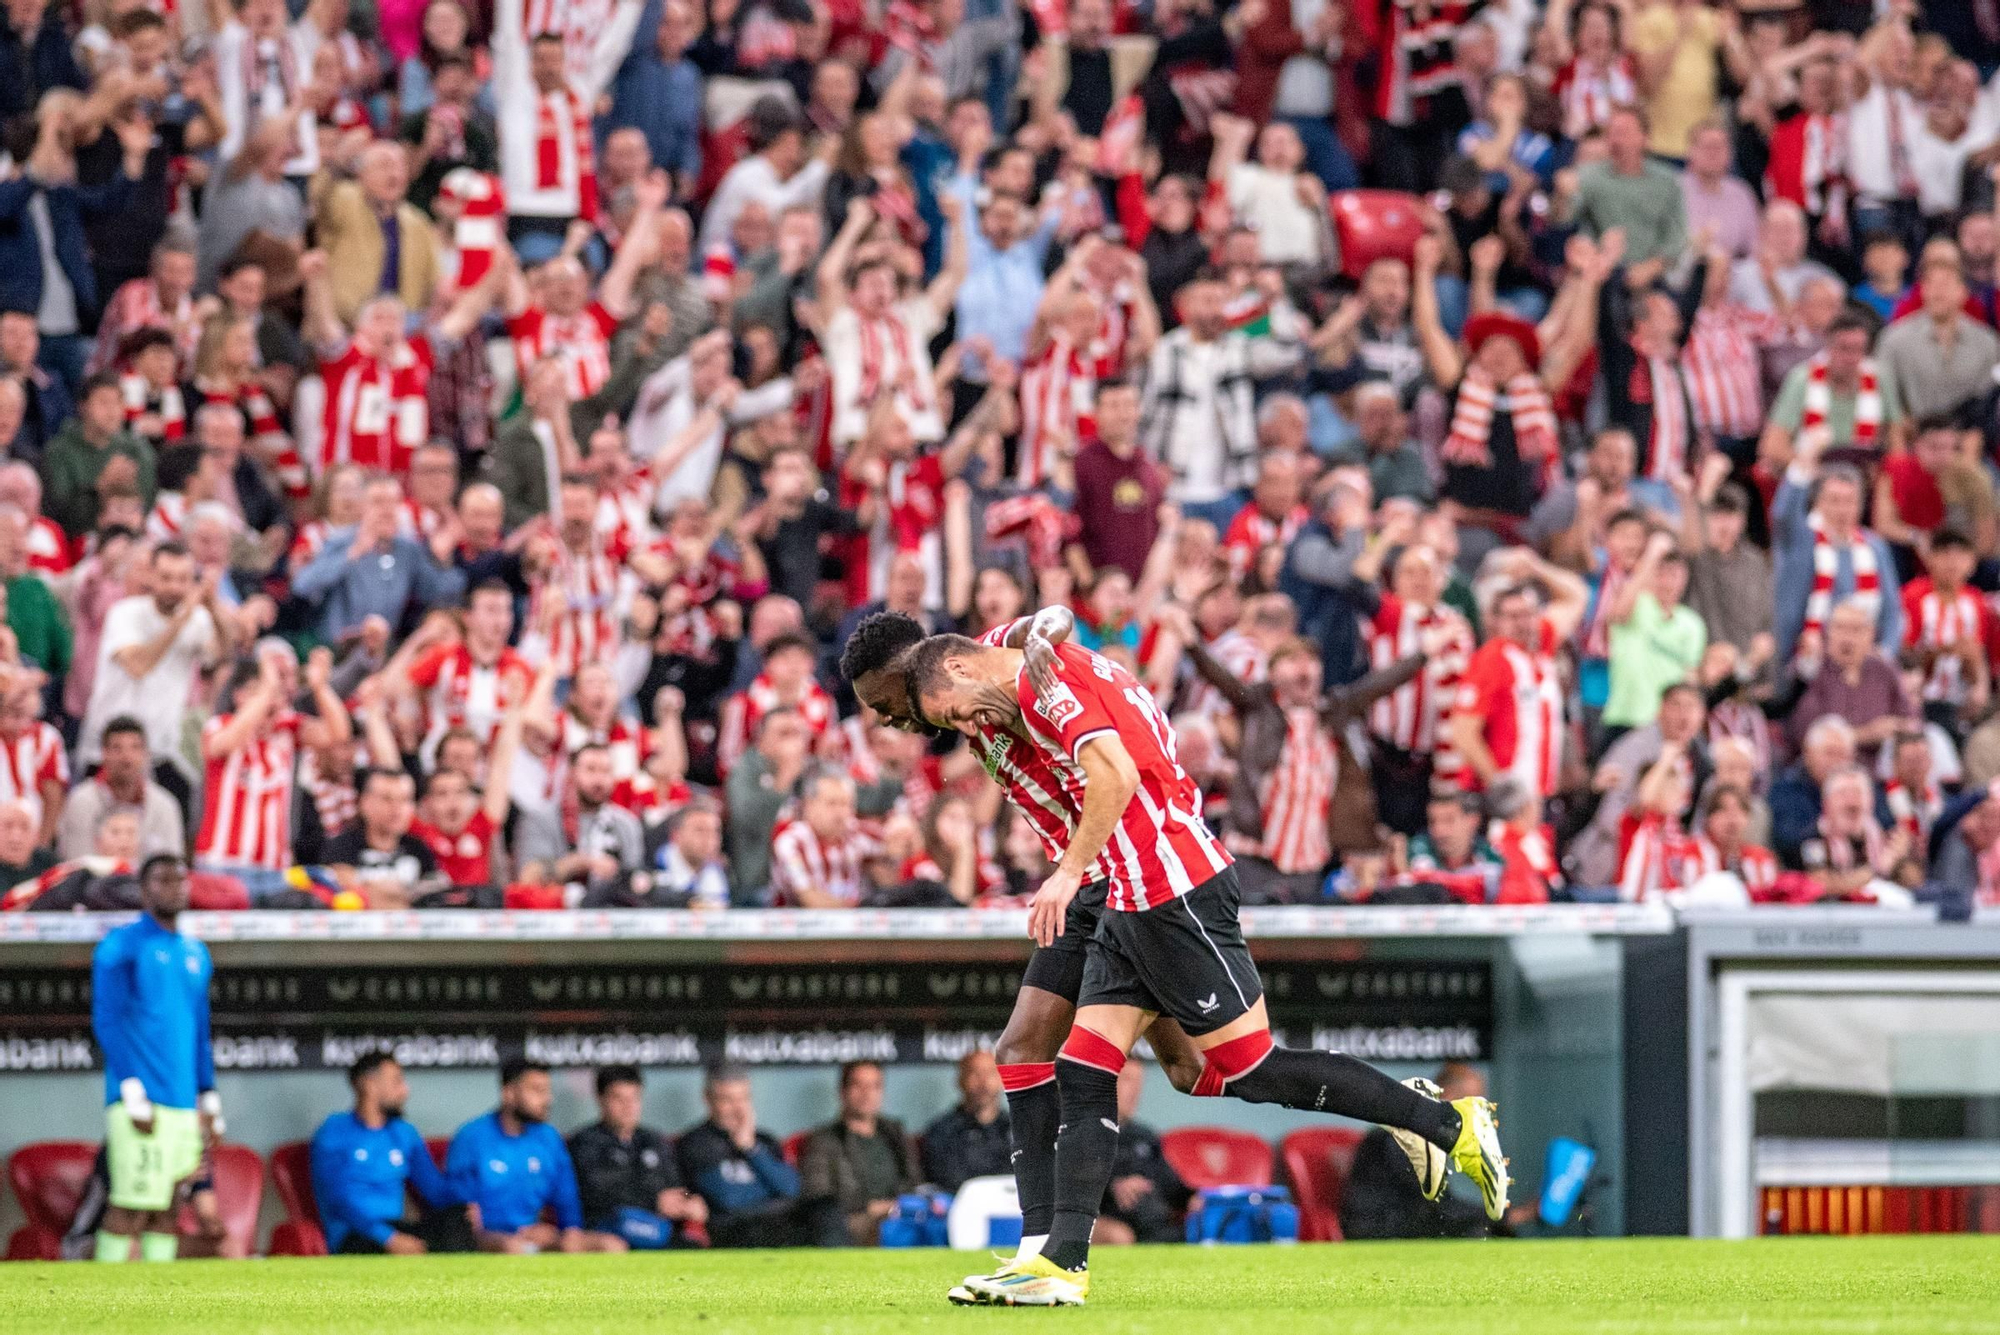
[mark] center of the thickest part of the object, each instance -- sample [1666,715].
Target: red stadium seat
[795,1145]
[212,891]
[1216,1156]
[1374,224]
[239,1192]
[439,1146]
[48,1179]
[291,1174]
[1317,1161]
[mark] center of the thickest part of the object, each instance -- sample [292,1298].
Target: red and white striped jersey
[745,710]
[1161,848]
[1297,795]
[1519,695]
[582,341]
[577,22]
[1043,790]
[377,409]
[1756,867]
[1246,660]
[800,859]
[910,519]
[592,628]
[1937,621]
[1722,369]
[1655,857]
[626,740]
[988,880]
[461,693]
[1058,407]
[1412,717]
[1251,531]
[309,542]
[48,547]
[629,506]
[1912,813]
[28,759]
[246,818]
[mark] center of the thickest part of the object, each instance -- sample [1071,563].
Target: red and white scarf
[1596,638]
[1826,565]
[1058,409]
[1754,866]
[1914,813]
[1658,379]
[551,109]
[1867,402]
[482,218]
[880,340]
[1840,848]
[1527,403]
[1809,162]
[1589,96]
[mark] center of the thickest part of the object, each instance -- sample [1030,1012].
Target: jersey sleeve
[606,324]
[1075,710]
[997,637]
[1484,687]
[428,668]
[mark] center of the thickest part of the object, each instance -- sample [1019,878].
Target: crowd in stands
[509,1182]
[1531,450]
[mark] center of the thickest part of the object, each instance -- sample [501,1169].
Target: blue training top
[149,1010]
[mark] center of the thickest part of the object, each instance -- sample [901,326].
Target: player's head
[525,1090]
[377,1080]
[620,1096]
[163,884]
[949,682]
[871,664]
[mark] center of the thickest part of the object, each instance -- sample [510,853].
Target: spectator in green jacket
[33,613]
[93,454]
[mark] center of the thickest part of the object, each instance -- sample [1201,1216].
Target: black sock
[1085,1149]
[1333,1082]
[1036,1115]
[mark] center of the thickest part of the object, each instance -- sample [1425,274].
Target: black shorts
[1185,960]
[1058,967]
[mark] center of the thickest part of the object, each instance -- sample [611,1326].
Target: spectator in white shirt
[777,173]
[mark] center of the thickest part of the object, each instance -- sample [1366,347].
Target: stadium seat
[48,1179]
[212,891]
[239,1192]
[1317,1161]
[794,1146]
[291,1174]
[439,1146]
[1373,224]
[1216,1156]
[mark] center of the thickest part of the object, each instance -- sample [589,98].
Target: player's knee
[1184,1074]
[1235,1065]
[1026,1044]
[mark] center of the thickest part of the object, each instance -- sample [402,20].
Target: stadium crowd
[449,448]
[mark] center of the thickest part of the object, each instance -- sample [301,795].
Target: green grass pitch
[1924,1285]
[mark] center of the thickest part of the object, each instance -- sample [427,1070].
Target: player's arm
[1110,779]
[1054,624]
[110,1001]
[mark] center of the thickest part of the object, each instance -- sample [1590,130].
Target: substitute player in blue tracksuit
[365,1162]
[149,1010]
[511,1166]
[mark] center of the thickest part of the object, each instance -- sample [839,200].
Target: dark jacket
[1382,1199]
[736,1185]
[830,1167]
[614,1174]
[1155,1217]
[1351,825]
[20,250]
[958,1149]
[46,60]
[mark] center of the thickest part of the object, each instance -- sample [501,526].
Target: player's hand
[402,1244]
[1051,905]
[1041,656]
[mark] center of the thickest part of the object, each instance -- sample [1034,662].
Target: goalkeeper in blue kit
[149,1010]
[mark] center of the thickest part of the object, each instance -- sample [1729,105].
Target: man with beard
[593,843]
[512,1165]
[365,1162]
[153,645]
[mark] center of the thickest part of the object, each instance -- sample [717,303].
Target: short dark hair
[374,772]
[171,547]
[1111,382]
[158,860]
[1682,687]
[790,640]
[770,119]
[515,1067]
[1732,497]
[1630,515]
[489,586]
[1849,321]
[367,1064]
[618,1075]
[102,380]
[121,725]
[1930,422]
[923,666]
[848,1068]
[1951,538]
[877,642]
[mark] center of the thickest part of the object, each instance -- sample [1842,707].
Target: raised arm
[942,293]
[832,273]
[1441,355]
[321,326]
[637,246]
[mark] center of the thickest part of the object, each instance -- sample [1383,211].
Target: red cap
[1487,324]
